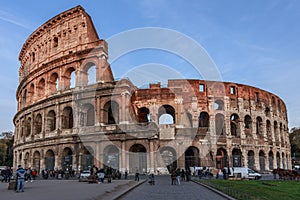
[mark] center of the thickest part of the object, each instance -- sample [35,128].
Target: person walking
[178,176]
[173,177]
[21,176]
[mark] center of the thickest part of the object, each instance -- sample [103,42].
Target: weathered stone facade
[66,118]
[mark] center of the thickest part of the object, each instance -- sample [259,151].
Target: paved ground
[68,190]
[164,190]
[74,190]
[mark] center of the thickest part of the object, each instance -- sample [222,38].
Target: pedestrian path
[68,190]
[164,190]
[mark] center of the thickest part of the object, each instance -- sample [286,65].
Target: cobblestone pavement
[68,190]
[164,190]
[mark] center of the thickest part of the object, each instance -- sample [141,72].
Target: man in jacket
[21,176]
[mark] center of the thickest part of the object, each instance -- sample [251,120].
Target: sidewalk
[69,190]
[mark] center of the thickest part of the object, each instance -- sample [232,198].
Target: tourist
[21,176]
[173,177]
[178,176]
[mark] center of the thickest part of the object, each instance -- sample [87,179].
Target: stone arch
[220,124]
[51,121]
[192,157]
[38,123]
[70,78]
[251,159]
[169,156]
[236,157]
[235,125]
[28,127]
[259,126]
[41,88]
[271,160]
[221,158]
[267,111]
[31,92]
[269,131]
[190,119]
[87,118]
[24,98]
[87,159]
[53,83]
[166,115]
[204,120]
[137,158]
[262,160]
[36,161]
[276,133]
[67,118]
[50,160]
[67,158]
[278,159]
[248,125]
[111,157]
[111,112]
[91,74]
[26,160]
[283,160]
[143,115]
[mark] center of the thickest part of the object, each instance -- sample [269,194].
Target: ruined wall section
[70,31]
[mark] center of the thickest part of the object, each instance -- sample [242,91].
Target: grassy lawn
[243,189]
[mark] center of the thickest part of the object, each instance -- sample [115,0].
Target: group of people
[58,173]
[6,174]
[180,175]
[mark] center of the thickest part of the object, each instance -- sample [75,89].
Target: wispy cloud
[13,19]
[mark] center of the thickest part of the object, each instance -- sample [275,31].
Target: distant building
[65,120]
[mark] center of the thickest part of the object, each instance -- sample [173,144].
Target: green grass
[244,189]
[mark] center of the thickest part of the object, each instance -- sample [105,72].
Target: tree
[294,137]
[6,149]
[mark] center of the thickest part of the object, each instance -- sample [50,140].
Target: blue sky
[251,42]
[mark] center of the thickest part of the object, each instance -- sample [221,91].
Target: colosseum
[72,113]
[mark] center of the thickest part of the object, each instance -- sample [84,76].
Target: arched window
[70,78]
[204,120]
[51,121]
[271,159]
[276,134]
[67,118]
[87,158]
[88,116]
[236,158]
[50,160]
[138,159]
[251,159]
[31,92]
[259,126]
[143,115]
[220,124]
[38,123]
[267,111]
[67,159]
[53,83]
[262,160]
[24,97]
[248,125]
[91,74]
[169,156]
[28,127]
[269,130]
[166,115]
[41,88]
[234,125]
[111,157]
[111,112]
[192,157]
